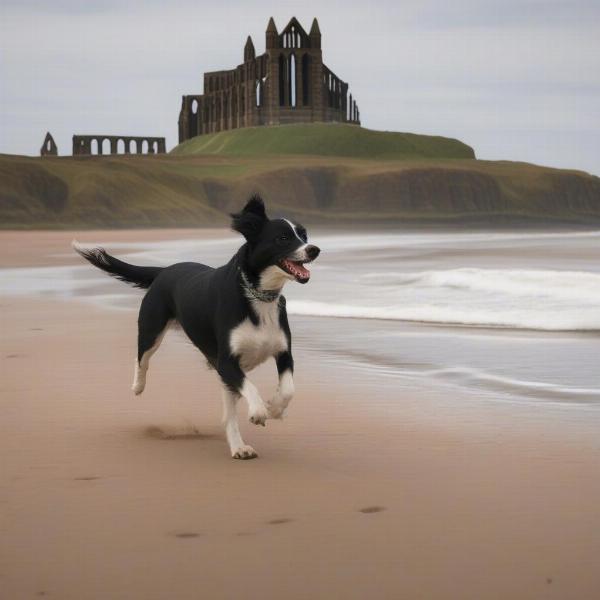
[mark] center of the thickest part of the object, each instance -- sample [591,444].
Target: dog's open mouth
[296,268]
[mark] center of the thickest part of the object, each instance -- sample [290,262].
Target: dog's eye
[282,239]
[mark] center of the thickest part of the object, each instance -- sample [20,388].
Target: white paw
[138,387]
[276,411]
[258,416]
[244,453]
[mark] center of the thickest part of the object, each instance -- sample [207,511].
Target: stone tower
[288,83]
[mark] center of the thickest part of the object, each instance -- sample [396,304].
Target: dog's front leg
[285,389]
[237,446]
[235,379]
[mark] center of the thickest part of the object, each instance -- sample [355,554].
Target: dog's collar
[253,293]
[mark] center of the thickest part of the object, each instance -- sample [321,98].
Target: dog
[235,314]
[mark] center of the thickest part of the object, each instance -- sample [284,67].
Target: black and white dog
[235,314]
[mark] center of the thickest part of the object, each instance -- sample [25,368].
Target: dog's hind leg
[152,325]
[236,444]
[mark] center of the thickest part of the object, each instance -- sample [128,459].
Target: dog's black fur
[209,303]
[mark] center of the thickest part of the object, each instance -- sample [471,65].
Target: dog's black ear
[251,220]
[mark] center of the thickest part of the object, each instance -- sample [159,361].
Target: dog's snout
[312,252]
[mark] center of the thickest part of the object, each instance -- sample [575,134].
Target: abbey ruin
[289,83]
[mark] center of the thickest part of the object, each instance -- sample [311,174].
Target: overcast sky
[515,79]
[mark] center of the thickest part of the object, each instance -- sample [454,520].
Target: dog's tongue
[297,269]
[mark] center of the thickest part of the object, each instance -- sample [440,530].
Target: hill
[377,181]
[324,139]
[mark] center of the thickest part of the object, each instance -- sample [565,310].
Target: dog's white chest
[254,344]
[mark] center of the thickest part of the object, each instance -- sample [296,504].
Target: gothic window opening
[282,79]
[306,80]
[292,72]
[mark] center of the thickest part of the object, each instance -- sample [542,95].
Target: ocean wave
[582,286]
[549,300]
[574,320]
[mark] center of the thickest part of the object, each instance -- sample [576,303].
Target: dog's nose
[312,252]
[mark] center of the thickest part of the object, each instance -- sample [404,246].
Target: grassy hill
[324,139]
[376,181]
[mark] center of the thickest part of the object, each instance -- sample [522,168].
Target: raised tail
[141,277]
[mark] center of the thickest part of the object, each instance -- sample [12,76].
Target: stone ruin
[289,83]
[49,147]
[117,144]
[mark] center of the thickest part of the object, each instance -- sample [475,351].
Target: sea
[504,316]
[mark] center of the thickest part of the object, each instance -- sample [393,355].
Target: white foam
[583,320]
[530,299]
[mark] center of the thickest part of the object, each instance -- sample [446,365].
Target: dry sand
[104,495]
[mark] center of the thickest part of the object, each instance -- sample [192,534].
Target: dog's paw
[244,453]
[258,417]
[276,411]
[137,388]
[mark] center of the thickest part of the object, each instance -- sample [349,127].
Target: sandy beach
[107,495]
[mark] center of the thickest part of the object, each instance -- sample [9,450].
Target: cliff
[188,189]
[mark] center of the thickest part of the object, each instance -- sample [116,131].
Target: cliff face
[143,191]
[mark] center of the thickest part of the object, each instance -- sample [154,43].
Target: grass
[324,139]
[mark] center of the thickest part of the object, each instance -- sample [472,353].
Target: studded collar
[254,293]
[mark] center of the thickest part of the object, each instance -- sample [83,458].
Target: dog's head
[278,250]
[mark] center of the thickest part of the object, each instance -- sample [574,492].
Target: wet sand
[107,495]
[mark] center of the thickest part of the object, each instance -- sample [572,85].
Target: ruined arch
[306,79]
[292,80]
[282,79]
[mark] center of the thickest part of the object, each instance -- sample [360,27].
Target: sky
[515,79]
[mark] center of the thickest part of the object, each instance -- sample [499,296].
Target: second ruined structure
[289,83]
[117,144]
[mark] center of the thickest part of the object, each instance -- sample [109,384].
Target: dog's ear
[251,220]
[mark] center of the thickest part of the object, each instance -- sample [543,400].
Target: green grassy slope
[324,139]
[191,190]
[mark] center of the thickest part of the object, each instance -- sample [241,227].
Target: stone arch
[120,146]
[292,71]
[105,145]
[134,147]
[144,148]
[306,79]
[193,118]
[95,143]
[282,79]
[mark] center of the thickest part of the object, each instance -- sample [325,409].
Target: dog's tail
[141,277]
